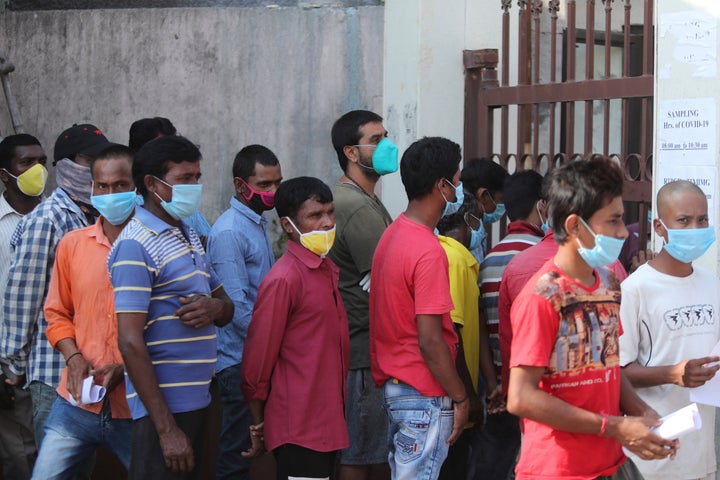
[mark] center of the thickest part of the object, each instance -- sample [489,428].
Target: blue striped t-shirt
[152,264]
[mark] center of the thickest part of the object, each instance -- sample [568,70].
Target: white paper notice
[686,131]
[702,176]
[709,393]
[679,423]
[695,35]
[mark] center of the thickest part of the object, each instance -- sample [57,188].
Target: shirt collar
[246,211]
[153,223]
[519,227]
[6,209]
[460,248]
[308,258]
[97,232]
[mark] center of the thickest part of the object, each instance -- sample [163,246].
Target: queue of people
[372,348]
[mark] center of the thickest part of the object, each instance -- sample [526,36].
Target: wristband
[458,402]
[603,425]
[67,360]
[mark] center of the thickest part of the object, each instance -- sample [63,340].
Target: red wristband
[603,425]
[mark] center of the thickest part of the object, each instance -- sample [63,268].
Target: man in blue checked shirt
[23,342]
[241,255]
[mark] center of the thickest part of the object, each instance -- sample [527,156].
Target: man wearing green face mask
[21,159]
[295,358]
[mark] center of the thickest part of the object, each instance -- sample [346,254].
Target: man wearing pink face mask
[240,253]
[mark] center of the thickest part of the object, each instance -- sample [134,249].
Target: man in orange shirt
[91,408]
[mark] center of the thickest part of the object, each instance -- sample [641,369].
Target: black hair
[294,192]
[449,223]
[153,158]
[483,173]
[425,162]
[346,131]
[146,129]
[245,160]
[521,192]
[113,151]
[9,143]
[581,187]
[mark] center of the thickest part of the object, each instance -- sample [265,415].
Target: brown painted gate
[578,92]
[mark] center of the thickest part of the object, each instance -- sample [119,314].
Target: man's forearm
[257,410]
[439,361]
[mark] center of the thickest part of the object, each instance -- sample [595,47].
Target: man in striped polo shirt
[499,443]
[168,301]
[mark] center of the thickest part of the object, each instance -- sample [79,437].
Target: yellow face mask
[32,181]
[318,242]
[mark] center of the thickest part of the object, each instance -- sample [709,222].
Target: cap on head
[85,139]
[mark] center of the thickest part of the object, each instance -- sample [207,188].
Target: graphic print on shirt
[689,316]
[588,332]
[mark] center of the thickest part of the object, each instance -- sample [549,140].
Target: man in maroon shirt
[296,356]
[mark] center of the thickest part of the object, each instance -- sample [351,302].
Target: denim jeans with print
[419,428]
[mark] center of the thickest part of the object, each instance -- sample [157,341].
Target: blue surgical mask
[688,244]
[497,214]
[476,237]
[453,207]
[115,207]
[185,200]
[384,158]
[545,226]
[606,249]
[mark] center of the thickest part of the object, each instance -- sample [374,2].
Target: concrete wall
[226,77]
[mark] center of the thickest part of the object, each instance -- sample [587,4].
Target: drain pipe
[5,68]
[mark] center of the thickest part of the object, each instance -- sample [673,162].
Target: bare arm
[257,410]
[689,373]
[475,412]
[495,400]
[526,399]
[437,356]
[175,445]
[198,310]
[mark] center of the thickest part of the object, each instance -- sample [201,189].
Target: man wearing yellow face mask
[22,171]
[296,356]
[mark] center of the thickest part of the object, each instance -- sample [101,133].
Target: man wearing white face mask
[565,378]
[35,241]
[168,301]
[670,320]
[295,360]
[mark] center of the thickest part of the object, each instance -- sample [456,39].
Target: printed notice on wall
[702,176]
[687,131]
[695,42]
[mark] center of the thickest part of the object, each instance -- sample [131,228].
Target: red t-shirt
[409,277]
[571,330]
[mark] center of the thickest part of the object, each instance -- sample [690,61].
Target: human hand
[177,450]
[109,375]
[257,437]
[199,310]
[365,283]
[634,434]
[694,372]
[78,371]
[496,401]
[462,413]
[643,256]
[16,380]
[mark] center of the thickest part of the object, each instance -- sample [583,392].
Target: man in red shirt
[565,377]
[412,342]
[297,352]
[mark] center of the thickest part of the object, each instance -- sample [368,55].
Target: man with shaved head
[669,314]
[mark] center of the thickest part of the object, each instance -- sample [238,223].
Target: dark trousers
[236,421]
[296,461]
[455,465]
[147,460]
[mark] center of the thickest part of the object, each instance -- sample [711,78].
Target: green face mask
[32,181]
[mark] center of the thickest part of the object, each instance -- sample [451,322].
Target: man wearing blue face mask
[669,313]
[365,154]
[484,178]
[168,301]
[565,376]
[82,326]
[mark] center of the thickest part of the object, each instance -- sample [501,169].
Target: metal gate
[562,106]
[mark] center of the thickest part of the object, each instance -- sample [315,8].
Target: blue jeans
[43,396]
[72,435]
[236,421]
[418,432]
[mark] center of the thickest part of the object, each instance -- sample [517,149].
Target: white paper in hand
[679,423]
[709,392]
[91,393]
